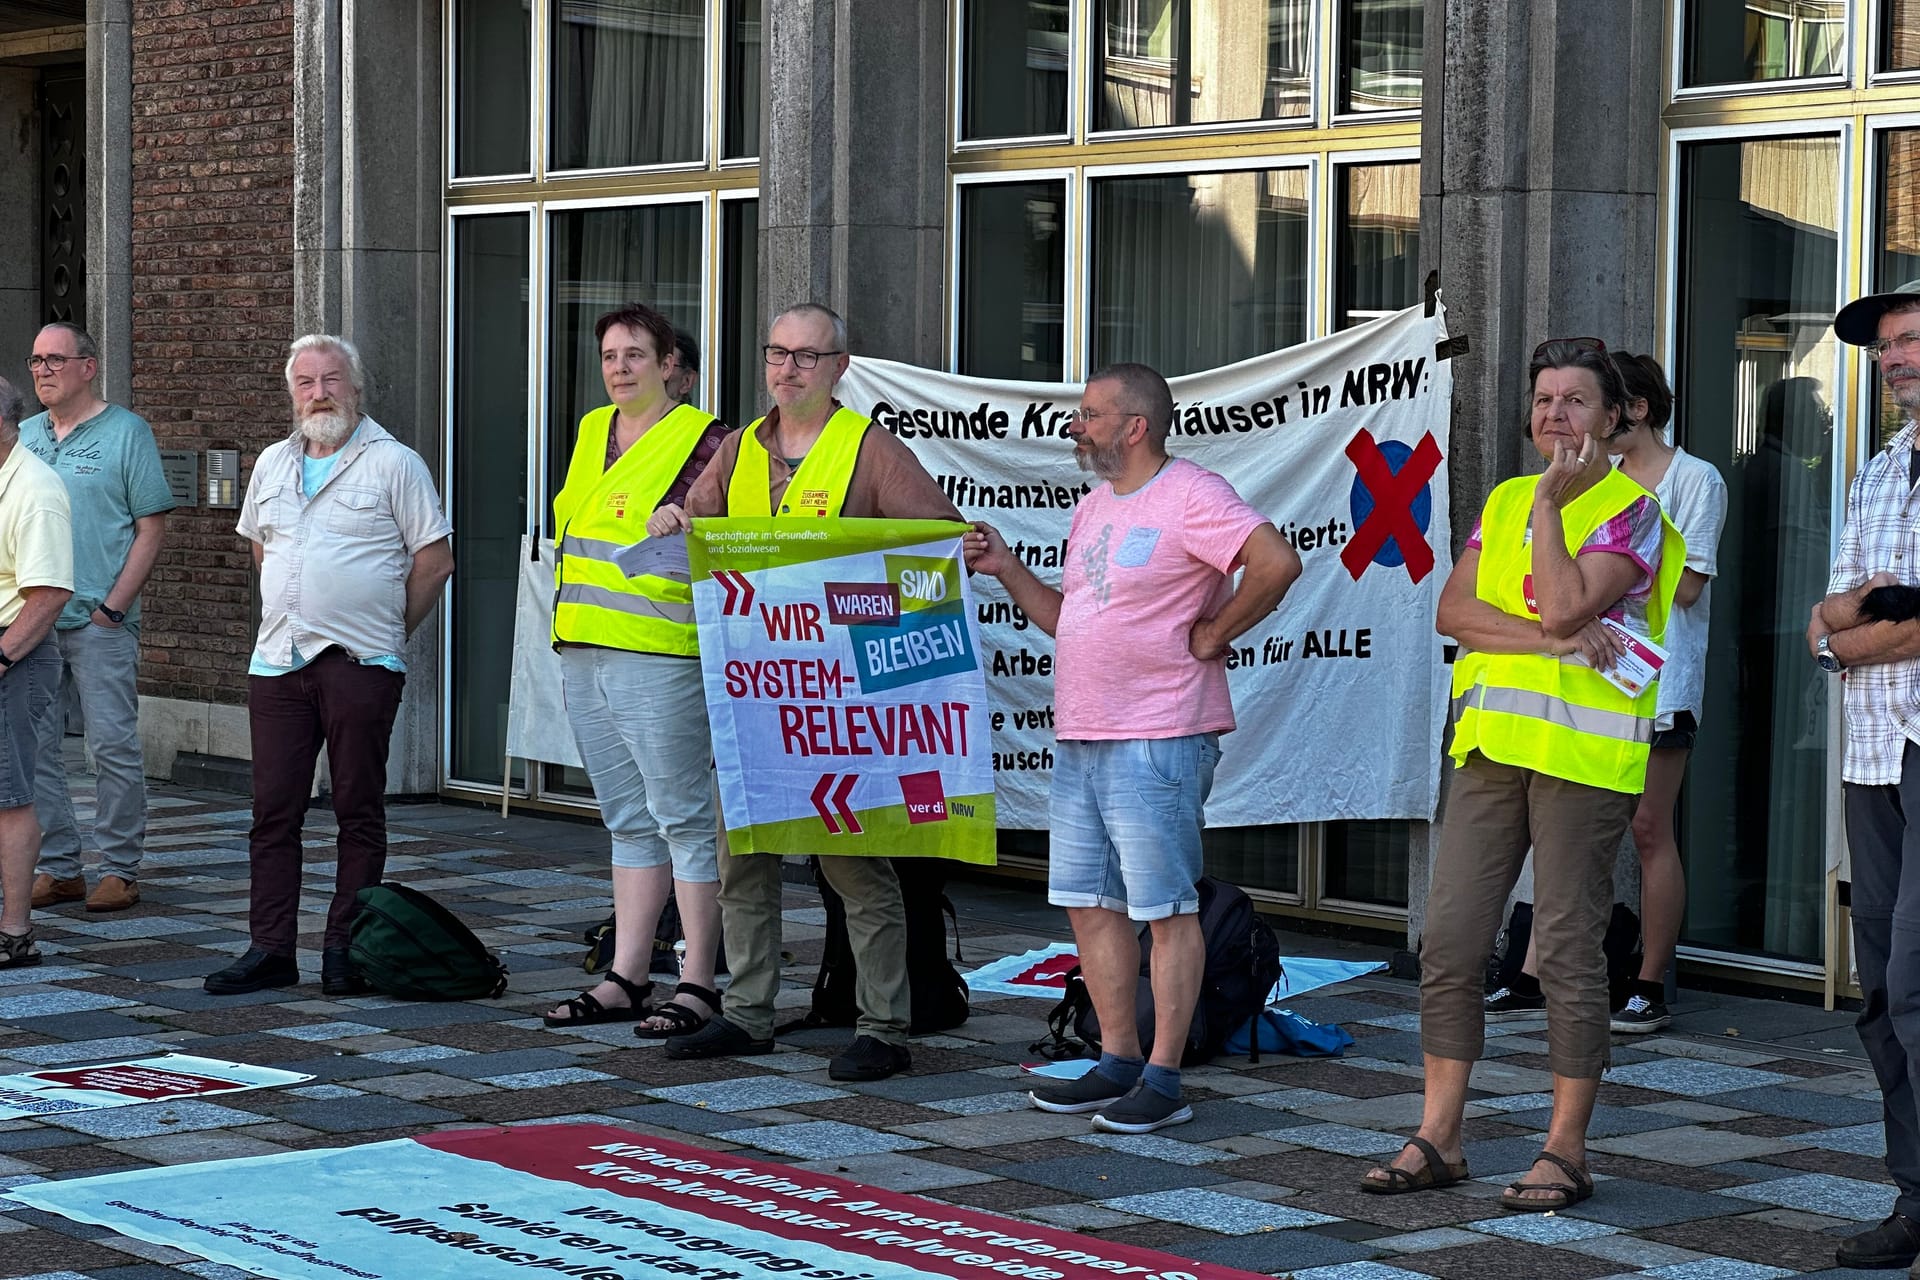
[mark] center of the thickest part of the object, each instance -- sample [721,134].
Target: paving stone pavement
[1739,1145]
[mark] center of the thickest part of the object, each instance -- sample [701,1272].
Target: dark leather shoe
[338,976]
[870,1059]
[718,1039]
[1894,1243]
[255,971]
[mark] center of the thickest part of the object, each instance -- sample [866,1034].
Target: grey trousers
[876,927]
[1885,844]
[102,664]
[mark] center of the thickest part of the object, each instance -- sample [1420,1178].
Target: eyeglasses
[801,359]
[1580,344]
[1084,416]
[52,364]
[1906,341]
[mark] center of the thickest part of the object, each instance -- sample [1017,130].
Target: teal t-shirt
[111,467]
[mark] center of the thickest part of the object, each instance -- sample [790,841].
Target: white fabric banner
[1340,695]
[537,725]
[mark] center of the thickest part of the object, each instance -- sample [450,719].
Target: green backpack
[407,945]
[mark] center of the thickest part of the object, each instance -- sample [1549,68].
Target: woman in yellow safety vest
[1565,578]
[623,624]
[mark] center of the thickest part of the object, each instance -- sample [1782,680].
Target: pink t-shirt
[1141,570]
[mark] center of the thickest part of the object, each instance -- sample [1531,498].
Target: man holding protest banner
[812,458]
[1142,623]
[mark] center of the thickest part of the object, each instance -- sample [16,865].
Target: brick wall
[212,301]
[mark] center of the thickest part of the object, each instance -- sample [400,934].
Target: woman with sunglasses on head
[1549,752]
[1694,497]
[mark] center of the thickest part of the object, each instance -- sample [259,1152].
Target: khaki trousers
[1494,812]
[876,927]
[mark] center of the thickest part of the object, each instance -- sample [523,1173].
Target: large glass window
[1377,254]
[1366,862]
[741,371]
[1742,41]
[1758,276]
[1896,255]
[629,83]
[494,87]
[1196,270]
[489,479]
[1014,82]
[1381,47]
[741,102]
[1900,35]
[1012,279]
[1165,63]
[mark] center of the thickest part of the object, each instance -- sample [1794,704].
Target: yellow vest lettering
[817,489]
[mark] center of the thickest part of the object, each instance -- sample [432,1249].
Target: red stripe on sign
[793,1204]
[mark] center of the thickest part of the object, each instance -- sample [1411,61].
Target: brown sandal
[1515,1198]
[1436,1173]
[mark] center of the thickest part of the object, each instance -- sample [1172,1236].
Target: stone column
[853,175]
[368,184]
[109,193]
[1540,157]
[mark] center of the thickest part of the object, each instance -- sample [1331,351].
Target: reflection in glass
[1162,63]
[1382,63]
[1256,857]
[1015,79]
[741,97]
[614,65]
[1378,270]
[1742,41]
[1897,256]
[1758,276]
[1013,268]
[1367,862]
[493,74]
[1899,35]
[740,372]
[1191,271]
[601,259]
[489,481]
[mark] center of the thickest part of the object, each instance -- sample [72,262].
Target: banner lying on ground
[843,676]
[61,1090]
[1043,972]
[1341,694]
[588,1201]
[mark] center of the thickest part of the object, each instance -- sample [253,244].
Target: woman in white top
[1694,497]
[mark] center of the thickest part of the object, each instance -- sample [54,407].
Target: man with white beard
[353,549]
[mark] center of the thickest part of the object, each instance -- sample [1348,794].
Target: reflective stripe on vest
[818,488]
[602,511]
[1538,711]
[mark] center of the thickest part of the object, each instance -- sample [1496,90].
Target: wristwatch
[115,616]
[1824,655]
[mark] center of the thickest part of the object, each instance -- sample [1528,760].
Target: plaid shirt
[1882,535]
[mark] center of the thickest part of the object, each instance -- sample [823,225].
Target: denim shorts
[26,695]
[1126,820]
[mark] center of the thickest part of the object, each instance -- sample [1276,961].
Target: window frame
[717,101]
[1681,91]
[1861,444]
[1335,56]
[1877,14]
[1077,11]
[1336,162]
[546,116]
[450,102]
[1072,358]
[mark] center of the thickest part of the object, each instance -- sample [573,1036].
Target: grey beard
[328,430]
[1106,463]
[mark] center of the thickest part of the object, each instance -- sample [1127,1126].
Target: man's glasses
[1084,416]
[1904,342]
[801,359]
[1578,344]
[52,364]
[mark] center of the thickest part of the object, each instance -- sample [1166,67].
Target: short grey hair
[1901,308]
[328,342]
[13,407]
[816,309]
[1147,393]
[84,347]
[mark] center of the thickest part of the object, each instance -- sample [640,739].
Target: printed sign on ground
[61,1090]
[1043,972]
[588,1201]
[843,677]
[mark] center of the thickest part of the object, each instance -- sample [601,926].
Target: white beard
[328,430]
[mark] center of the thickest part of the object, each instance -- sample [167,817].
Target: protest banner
[1341,695]
[843,678]
[537,725]
[64,1090]
[593,1202]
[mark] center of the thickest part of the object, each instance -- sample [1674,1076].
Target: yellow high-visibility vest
[1537,711]
[603,510]
[817,488]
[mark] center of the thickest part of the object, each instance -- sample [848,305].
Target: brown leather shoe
[113,894]
[47,891]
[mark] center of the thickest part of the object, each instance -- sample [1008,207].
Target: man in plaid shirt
[1880,546]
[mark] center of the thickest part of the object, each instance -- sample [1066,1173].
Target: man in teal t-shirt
[111,466]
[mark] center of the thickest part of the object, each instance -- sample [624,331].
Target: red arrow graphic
[739,592]
[840,794]
[746,587]
[726,585]
[819,798]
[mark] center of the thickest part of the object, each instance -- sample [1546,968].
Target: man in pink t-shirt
[1147,610]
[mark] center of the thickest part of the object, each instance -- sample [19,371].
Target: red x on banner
[1393,495]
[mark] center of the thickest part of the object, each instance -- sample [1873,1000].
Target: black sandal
[585,1011]
[1514,1196]
[17,951]
[1431,1176]
[685,1021]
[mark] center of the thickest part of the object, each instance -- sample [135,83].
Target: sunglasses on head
[1579,344]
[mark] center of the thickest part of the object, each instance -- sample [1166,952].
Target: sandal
[17,951]
[1431,1176]
[585,1011]
[685,1021]
[1514,1196]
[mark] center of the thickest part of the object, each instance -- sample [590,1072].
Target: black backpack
[939,993]
[666,932]
[407,945]
[1243,963]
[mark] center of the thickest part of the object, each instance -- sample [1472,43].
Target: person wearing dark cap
[1880,546]
[686,368]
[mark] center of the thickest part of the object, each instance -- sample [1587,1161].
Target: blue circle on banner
[1361,502]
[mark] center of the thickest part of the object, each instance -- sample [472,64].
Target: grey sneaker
[1638,1016]
[1090,1092]
[1143,1111]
